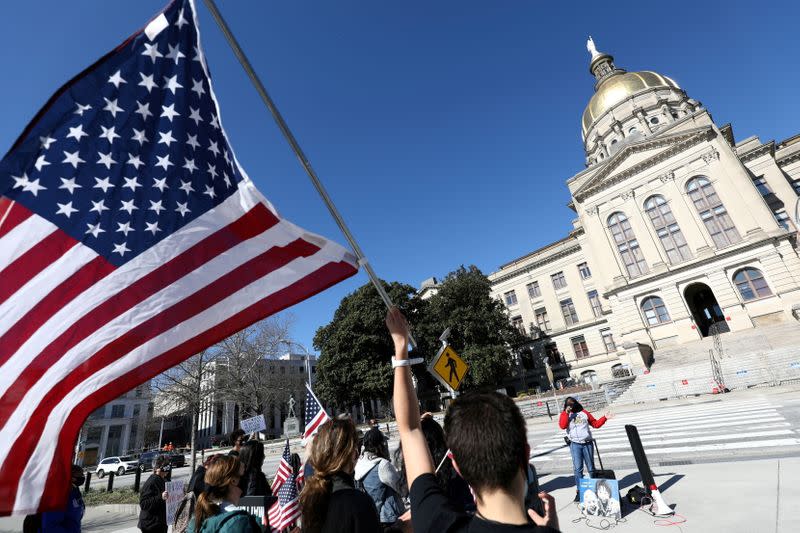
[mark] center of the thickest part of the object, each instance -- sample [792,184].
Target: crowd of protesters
[472,475]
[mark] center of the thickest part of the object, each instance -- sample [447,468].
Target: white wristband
[406,362]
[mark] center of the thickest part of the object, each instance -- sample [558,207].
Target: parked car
[146,460]
[177,459]
[117,465]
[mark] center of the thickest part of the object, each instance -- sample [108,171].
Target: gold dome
[616,88]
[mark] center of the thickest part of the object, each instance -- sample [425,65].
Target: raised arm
[416,456]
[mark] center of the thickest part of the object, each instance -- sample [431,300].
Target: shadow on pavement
[560,482]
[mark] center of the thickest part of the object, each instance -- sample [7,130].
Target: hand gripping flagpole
[287,133]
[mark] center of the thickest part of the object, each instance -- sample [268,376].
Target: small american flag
[130,239]
[315,414]
[286,510]
[284,469]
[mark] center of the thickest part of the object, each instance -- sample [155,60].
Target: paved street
[751,424]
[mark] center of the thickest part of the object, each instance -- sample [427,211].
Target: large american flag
[315,415]
[284,469]
[286,510]
[130,239]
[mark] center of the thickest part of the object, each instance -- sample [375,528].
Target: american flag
[130,239]
[284,469]
[315,414]
[286,510]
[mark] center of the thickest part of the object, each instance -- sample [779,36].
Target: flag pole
[287,133]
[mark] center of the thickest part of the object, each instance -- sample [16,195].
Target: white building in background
[678,227]
[117,428]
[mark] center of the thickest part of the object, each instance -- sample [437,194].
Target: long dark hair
[576,405]
[334,450]
[251,455]
[437,444]
[375,443]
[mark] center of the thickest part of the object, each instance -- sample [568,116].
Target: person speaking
[576,421]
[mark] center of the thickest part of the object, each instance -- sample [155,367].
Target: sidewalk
[713,497]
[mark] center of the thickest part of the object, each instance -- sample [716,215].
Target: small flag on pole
[130,239]
[286,510]
[284,469]
[315,414]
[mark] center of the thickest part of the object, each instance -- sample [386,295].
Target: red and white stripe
[282,517]
[76,332]
[283,473]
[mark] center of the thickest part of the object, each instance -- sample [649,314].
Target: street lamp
[308,355]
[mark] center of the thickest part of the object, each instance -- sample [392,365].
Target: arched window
[712,212]
[667,229]
[751,284]
[655,312]
[627,245]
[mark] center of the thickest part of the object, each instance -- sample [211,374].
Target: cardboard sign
[449,368]
[599,497]
[251,425]
[174,496]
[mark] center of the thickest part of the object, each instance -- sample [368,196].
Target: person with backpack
[487,437]
[253,482]
[329,500]
[378,477]
[153,498]
[216,508]
[575,420]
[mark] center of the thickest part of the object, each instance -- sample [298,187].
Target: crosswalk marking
[684,429]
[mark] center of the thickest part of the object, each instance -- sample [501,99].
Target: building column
[101,453]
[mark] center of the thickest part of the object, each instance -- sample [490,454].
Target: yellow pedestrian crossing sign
[449,368]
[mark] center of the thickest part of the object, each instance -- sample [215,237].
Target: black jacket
[154,509]
[350,509]
[254,484]
[197,483]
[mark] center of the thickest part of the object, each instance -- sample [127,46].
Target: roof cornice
[674,144]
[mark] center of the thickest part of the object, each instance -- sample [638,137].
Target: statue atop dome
[591,47]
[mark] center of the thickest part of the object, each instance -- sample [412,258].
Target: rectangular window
[583,268]
[558,280]
[517,323]
[533,289]
[283,370]
[542,321]
[608,340]
[579,345]
[98,413]
[510,298]
[796,186]
[117,411]
[594,299]
[568,310]
[761,184]
[782,218]
[138,393]
[552,353]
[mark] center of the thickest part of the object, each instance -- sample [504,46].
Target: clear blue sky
[443,130]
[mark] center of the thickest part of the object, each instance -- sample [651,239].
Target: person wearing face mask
[575,420]
[216,510]
[153,498]
[69,519]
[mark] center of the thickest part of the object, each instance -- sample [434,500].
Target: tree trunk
[194,433]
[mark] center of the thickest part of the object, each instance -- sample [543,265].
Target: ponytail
[334,450]
[218,479]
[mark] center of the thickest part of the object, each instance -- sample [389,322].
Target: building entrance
[704,308]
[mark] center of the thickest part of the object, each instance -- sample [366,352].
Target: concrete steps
[759,357]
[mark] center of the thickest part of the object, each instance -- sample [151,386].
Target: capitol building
[680,231]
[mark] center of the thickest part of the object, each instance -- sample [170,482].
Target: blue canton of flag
[131,152]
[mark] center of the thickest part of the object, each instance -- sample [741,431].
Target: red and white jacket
[577,425]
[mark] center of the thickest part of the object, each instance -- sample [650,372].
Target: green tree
[355,348]
[479,327]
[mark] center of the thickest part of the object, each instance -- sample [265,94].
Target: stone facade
[678,229]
